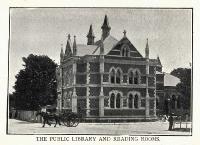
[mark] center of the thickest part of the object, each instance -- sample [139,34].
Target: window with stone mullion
[118,77]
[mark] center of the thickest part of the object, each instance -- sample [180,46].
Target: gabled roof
[108,43]
[125,41]
[170,80]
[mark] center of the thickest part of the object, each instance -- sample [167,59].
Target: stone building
[108,79]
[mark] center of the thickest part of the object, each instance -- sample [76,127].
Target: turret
[74,47]
[90,36]
[68,51]
[147,50]
[105,28]
[61,54]
[101,47]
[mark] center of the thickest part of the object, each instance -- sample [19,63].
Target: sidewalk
[136,128]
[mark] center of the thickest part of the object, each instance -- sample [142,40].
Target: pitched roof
[170,80]
[83,49]
[108,43]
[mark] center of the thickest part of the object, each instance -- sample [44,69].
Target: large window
[130,101]
[118,100]
[112,76]
[136,101]
[118,77]
[115,99]
[136,78]
[115,76]
[130,77]
[133,76]
[112,100]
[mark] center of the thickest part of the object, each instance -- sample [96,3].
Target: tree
[36,83]
[184,87]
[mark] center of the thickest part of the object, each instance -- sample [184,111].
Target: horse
[49,117]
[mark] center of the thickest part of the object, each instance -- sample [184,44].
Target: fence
[29,116]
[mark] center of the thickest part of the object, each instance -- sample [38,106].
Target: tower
[90,36]
[105,28]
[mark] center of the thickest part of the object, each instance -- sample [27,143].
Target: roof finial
[124,33]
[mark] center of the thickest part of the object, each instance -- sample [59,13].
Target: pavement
[136,128]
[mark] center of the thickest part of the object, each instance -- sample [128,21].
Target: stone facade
[110,79]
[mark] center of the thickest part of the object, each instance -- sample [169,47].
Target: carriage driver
[44,109]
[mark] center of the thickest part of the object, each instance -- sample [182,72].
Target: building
[109,79]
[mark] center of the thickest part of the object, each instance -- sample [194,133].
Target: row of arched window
[131,101]
[116,76]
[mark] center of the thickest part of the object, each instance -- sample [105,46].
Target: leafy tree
[184,87]
[36,83]
[11,101]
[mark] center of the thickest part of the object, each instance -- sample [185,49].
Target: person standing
[171,120]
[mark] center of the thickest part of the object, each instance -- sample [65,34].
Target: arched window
[112,76]
[136,101]
[130,77]
[130,101]
[179,102]
[118,77]
[125,51]
[112,101]
[118,100]
[173,101]
[136,78]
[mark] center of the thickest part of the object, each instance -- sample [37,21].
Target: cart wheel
[65,121]
[75,119]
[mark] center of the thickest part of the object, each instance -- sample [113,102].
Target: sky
[41,31]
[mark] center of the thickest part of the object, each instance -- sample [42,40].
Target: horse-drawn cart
[50,116]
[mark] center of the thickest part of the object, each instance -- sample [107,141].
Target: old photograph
[100,71]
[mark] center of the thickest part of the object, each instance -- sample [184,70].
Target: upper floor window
[112,76]
[118,77]
[115,76]
[133,77]
[125,51]
[136,78]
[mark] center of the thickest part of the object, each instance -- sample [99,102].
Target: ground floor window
[112,101]
[118,100]
[136,101]
[115,100]
[130,101]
